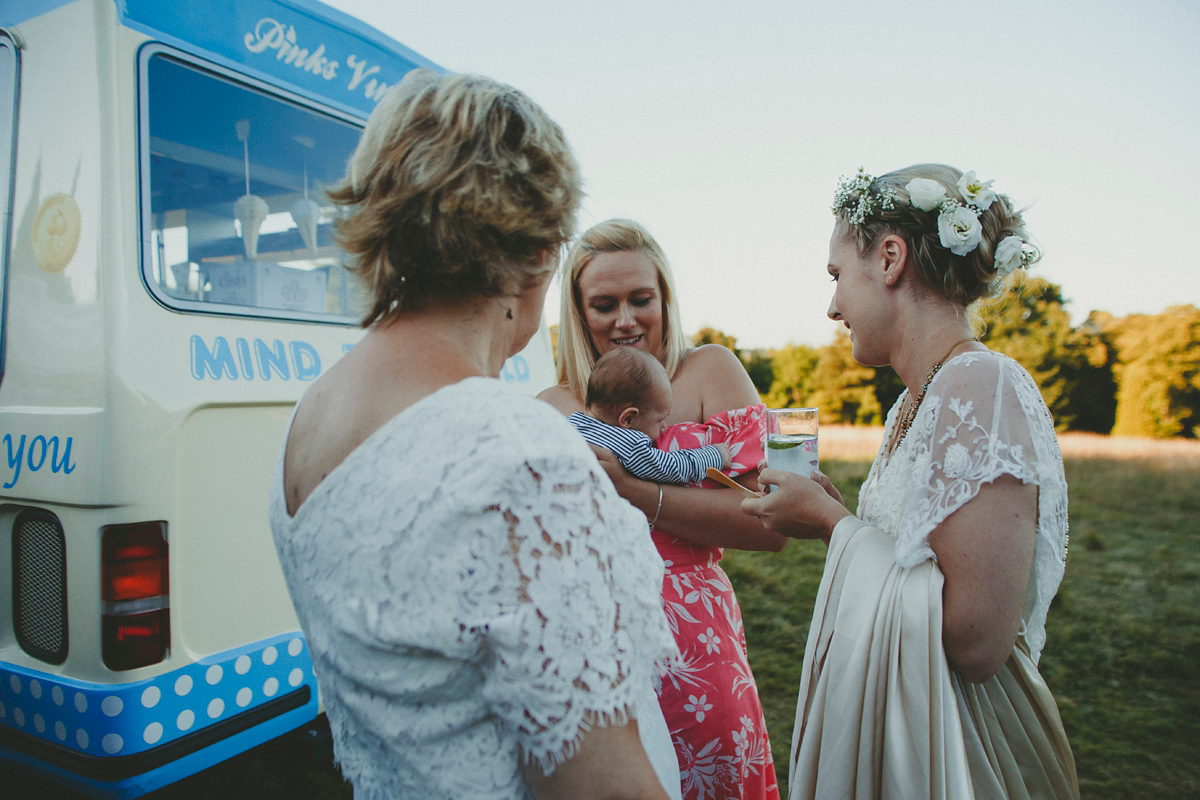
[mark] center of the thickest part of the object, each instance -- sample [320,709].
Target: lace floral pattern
[472,599]
[982,417]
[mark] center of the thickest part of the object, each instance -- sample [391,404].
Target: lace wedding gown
[880,713]
[474,592]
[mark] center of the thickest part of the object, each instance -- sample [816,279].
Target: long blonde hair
[576,351]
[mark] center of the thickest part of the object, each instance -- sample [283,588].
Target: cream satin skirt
[881,715]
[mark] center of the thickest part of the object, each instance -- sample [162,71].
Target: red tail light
[134,590]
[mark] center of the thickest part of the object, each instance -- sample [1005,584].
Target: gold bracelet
[658,510]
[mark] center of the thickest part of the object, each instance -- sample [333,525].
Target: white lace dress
[877,719]
[473,591]
[996,424]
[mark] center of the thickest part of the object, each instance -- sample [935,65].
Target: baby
[628,400]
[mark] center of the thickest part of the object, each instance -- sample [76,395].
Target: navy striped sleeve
[637,452]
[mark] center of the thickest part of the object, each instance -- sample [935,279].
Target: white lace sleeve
[984,417]
[579,645]
[474,593]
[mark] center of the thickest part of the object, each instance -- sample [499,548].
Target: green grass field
[1123,649]
[1122,657]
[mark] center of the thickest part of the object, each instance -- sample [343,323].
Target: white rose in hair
[959,230]
[1008,255]
[925,194]
[976,192]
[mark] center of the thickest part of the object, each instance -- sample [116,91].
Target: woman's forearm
[706,517]
[608,764]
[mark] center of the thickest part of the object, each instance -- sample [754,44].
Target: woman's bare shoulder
[561,398]
[713,373]
[712,359]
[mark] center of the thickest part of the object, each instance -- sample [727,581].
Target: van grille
[40,585]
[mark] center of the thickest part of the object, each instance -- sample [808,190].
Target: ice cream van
[170,287]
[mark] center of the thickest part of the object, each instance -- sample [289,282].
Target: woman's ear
[893,255]
[625,420]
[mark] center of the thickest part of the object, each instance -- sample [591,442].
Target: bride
[920,672]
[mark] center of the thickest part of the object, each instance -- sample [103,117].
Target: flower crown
[959,230]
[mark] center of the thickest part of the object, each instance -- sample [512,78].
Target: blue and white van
[170,287]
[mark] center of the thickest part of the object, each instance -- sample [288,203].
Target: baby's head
[628,388]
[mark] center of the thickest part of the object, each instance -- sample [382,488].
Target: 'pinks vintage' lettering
[374,88]
[270,34]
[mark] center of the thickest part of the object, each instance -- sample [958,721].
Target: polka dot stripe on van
[125,718]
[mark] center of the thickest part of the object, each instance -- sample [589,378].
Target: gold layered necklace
[906,420]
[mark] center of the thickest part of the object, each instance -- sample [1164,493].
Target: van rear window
[235,218]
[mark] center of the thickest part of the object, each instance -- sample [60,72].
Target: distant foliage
[757,363]
[842,389]
[829,379]
[761,368]
[707,335]
[1073,368]
[1132,376]
[791,376]
[1158,371]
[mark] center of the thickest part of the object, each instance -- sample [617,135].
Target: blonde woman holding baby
[618,292]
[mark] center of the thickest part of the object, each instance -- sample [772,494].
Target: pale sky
[724,128]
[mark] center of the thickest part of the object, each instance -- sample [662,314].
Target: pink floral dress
[709,699]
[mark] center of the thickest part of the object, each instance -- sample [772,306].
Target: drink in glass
[791,443]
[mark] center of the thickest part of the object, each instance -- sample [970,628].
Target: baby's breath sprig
[950,205]
[855,198]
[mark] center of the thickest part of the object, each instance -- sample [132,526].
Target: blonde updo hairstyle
[960,279]
[577,353]
[457,188]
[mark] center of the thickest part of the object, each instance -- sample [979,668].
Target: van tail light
[134,594]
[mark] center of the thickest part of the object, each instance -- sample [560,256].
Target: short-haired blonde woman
[618,291]
[920,672]
[482,611]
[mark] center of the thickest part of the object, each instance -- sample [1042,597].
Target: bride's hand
[820,477]
[799,507]
[823,480]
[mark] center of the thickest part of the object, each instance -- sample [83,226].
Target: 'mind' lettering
[213,364]
[306,363]
[243,348]
[515,370]
[257,356]
[271,358]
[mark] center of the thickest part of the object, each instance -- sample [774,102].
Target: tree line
[1129,376]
